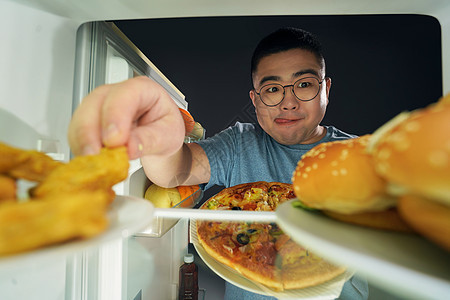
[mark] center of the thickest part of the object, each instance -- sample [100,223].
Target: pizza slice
[301,268]
[261,251]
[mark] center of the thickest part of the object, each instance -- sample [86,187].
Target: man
[290,96]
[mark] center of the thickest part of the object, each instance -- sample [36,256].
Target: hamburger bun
[412,152]
[339,176]
[429,218]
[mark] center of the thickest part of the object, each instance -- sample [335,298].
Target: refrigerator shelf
[161,224]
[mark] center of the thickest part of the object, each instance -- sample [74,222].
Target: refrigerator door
[105,55]
[139,267]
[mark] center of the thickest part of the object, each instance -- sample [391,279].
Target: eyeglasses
[304,89]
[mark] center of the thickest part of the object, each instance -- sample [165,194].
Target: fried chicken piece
[26,164]
[7,188]
[87,173]
[70,201]
[33,224]
[10,157]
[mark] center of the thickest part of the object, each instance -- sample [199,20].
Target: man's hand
[137,113]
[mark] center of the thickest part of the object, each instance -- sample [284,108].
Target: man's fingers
[137,113]
[84,129]
[140,114]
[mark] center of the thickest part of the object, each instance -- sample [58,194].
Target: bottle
[188,279]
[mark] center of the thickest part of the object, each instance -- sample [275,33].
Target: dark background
[380,65]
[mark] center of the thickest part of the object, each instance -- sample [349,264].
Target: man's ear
[328,83]
[252,95]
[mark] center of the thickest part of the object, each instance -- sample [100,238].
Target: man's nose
[290,100]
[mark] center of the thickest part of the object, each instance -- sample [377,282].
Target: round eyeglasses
[304,89]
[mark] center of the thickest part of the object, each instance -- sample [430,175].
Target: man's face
[292,121]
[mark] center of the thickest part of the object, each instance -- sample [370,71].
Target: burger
[413,154]
[339,178]
[397,178]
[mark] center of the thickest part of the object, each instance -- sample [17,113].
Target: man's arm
[139,114]
[188,166]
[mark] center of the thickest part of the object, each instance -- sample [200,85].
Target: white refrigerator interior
[42,82]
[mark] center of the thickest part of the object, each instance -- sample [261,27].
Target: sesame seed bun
[412,152]
[340,176]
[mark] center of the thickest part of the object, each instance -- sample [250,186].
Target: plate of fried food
[70,207]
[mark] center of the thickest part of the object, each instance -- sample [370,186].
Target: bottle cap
[189,258]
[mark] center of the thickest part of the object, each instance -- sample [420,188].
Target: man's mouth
[285,122]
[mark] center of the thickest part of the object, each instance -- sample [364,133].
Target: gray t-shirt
[246,153]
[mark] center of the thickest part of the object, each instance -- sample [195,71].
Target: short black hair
[284,39]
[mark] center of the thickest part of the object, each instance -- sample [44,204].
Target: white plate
[406,264]
[328,290]
[127,215]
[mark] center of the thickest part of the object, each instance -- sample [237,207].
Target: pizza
[261,251]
